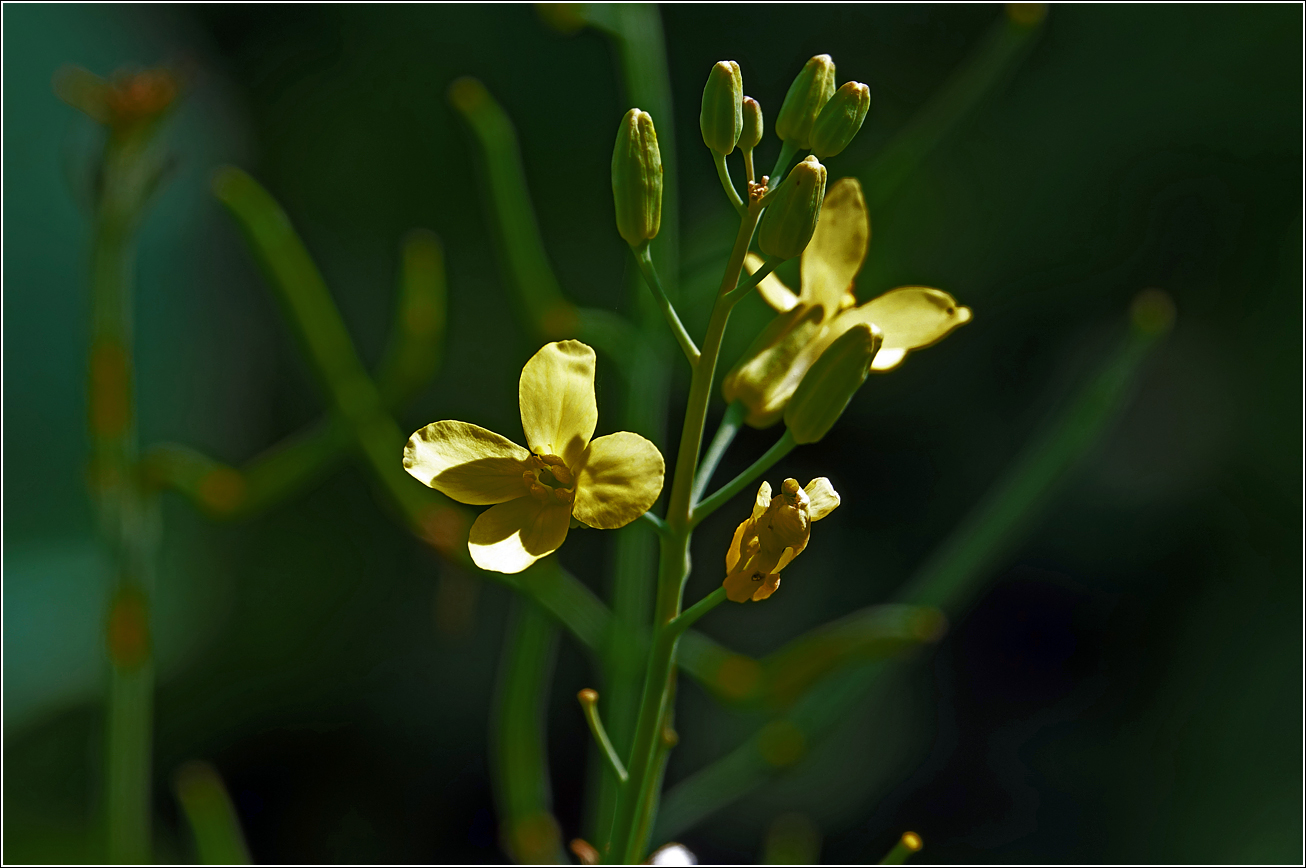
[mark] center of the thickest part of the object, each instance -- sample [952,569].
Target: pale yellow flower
[605,482]
[776,533]
[910,317]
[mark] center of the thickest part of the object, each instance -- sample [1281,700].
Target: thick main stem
[125,516]
[628,844]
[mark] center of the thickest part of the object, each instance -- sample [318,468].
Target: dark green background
[1129,687]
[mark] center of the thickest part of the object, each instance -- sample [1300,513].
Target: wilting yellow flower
[606,482]
[910,317]
[775,534]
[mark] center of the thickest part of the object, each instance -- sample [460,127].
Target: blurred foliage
[1128,686]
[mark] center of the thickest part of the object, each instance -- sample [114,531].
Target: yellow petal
[911,317]
[771,369]
[770,585]
[772,290]
[786,559]
[510,537]
[763,501]
[835,254]
[732,553]
[556,394]
[822,498]
[619,478]
[466,462]
[739,587]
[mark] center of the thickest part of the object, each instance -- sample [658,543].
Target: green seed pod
[637,179]
[722,116]
[840,120]
[753,125]
[808,94]
[791,216]
[830,384]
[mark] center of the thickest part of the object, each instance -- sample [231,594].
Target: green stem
[528,830]
[650,273]
[687,618]
[674,569]
[748,165]
[589,703]
[723,172]
[782,447]
[736,295]
[657,524]
[908,844]
[787,152]
[725,435]
[126,515]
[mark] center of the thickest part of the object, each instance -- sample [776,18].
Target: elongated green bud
[753,125]
[722,116]
[830,384]
[791,216]
[840,120]
[808,94]
[637,179]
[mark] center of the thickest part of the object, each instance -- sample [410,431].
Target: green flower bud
[791,216]
[808,94]
[830,384]
[840,120]
[637,179]
[753,125]
[722,116]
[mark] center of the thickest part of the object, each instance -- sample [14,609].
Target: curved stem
[782,447]
[658,524]
[787,152]
[687,618]
[725,435]
[723,172]
[650,273]
[589,703]
[737,294]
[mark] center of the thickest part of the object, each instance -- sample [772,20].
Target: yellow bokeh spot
[781,743]
[738,676]
[912,841]
[1027,14]
[222,490]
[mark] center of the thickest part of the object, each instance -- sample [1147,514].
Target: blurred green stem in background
[950,580]
[1002,49]
[127,513]
[211,816]
[527,828]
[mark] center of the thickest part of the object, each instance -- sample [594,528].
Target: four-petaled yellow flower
[775,534]
[910,317]
[606,482]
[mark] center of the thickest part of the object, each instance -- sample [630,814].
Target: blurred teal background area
[1128,686]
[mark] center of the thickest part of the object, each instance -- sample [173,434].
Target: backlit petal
[772,290]
[558,410]
[466,462]
[786,558]
[822,496]
[763,500]
[510,537]
[911,317]
[835,254]
[740,587]
[619,478]
[732,553]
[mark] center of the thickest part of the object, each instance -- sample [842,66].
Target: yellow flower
[910,317]
[606,482]
[775,534]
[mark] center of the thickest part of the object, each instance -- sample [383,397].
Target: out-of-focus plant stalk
[127,515]
[211,816]
[527,828]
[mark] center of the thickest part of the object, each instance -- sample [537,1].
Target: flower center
[549,480]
